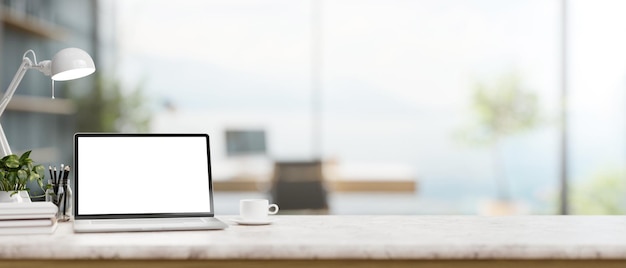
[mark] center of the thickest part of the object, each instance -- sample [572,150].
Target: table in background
[339,185]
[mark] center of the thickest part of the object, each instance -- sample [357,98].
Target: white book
[27,222]
[27,210]
[29,230]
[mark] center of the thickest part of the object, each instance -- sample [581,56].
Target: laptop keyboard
[150,221]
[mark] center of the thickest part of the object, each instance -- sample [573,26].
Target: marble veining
[347,237]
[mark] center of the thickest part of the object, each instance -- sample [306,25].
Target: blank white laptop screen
[143,174]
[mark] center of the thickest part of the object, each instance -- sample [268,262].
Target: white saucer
[252,222]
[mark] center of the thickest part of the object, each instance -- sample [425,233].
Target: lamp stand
[27,64]
[4,144]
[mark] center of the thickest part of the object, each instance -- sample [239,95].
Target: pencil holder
[59,192]
[65,202]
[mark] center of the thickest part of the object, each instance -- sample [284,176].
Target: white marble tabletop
[347,237]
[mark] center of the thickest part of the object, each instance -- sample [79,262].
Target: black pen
[47,193]
[66,172]
[51,179]
[55,184]
[61,197]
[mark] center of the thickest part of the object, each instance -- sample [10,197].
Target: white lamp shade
[71,63]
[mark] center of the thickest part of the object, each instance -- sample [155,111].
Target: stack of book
[28,218]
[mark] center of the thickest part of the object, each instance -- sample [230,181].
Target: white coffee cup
[256,209]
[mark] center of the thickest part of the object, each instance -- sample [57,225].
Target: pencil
[61,203]
[55,185]
[66,172]
[51,185]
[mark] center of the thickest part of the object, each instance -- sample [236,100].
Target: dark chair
[298,187]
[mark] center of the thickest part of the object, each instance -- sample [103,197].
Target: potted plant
[15,173]
[501,110]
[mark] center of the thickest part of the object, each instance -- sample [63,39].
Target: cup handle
[270,211]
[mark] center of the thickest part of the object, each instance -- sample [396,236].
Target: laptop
[143,182]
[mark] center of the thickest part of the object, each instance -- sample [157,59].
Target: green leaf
[33,176]
[12,177]
[41,170]
[25,156]
[15,172]
[22,175]
[12,161]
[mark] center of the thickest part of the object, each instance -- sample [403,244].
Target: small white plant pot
[19,197]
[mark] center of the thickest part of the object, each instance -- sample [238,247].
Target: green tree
[108,108]
[602,194]
[502,109]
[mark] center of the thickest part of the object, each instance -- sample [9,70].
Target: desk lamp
[67,64]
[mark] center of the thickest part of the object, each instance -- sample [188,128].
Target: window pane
[399,77]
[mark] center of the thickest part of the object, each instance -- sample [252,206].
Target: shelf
[45,105]
[31,24]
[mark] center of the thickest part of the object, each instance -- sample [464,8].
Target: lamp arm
[8,94]
[27,63]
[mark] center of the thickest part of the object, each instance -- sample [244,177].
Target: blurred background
[379,107]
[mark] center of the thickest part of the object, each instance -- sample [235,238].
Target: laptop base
[147,225]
